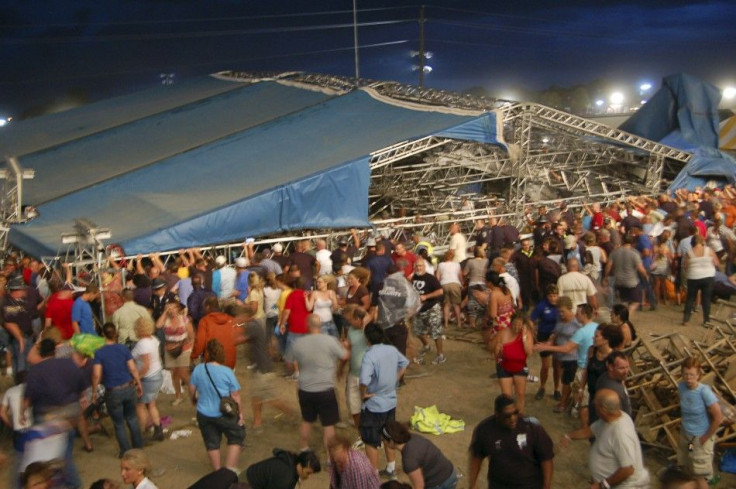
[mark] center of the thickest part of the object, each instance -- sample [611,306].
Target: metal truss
[422,186]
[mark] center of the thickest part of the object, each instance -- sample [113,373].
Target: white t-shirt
[449,272]
[459,245]
[577,286]
[617,445]
[148,345]
[270,301]
[227,281]
[13,402]
[512,284]
[324,257]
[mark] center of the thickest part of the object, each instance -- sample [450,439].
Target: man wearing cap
[83,320]
[159,297]
[223,278]
[279,257]
[17,322]
[519,450]
[242,287]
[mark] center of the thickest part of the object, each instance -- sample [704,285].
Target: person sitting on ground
[350,468]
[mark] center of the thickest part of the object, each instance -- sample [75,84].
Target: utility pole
[421,46]
[355,41]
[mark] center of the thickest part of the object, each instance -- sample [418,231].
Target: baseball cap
[220,260]
[278,248]
[241,262]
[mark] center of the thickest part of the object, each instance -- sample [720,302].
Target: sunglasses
[509,415]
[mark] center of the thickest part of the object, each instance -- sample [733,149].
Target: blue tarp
[684,114]
[214,162]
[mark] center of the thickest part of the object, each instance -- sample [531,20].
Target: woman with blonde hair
[134,468]
[254,302]
[323,302]
[148,362]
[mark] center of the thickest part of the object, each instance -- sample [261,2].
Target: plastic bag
[397,300]
[167,387]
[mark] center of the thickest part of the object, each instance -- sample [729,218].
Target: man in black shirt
[428,321]
[519,451]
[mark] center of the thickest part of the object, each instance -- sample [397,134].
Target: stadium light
[616,98]
[729,93]
[645,86]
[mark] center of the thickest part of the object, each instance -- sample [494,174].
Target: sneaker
[540,394]
[532,378]
[177,401]
[558,395]
[439,360]
[358,444]
[419,360]
[389,475]
[424,349]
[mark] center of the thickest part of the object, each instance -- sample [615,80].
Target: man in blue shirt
[382,367]
[83,320]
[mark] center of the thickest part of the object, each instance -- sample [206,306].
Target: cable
[201,34]
[520,30]
[213,19]
[193,65]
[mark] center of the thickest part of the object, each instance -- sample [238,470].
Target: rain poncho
[397,300]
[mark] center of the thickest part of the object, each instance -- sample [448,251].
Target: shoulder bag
[228,406]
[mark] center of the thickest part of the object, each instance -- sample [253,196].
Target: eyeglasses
[509,415]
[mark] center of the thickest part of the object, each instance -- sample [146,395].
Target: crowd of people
[533,289]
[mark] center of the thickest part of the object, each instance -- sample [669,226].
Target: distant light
[643,102]
[3,122]
[599,102]
[428,54]
[545,140]
[427,69]
[617,98]
[729,93]
[645,86]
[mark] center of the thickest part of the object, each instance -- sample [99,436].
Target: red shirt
[60,313]
[298,316]
[405,263]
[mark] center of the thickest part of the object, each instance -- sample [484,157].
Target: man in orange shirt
[216,324]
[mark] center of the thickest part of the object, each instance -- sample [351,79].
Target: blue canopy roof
[214,161]
[684,114]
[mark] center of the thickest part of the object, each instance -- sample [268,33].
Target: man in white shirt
[615,459]
[577,286]
[458,243]
[324,257]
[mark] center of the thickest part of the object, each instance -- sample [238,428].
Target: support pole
[421,46]
[355,42]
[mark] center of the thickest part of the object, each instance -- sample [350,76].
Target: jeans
[648,291]
[121,408]
[449,483]
[330,329]
[20,359]
[705,286]
[71,475]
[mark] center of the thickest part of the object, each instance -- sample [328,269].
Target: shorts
[262,386]
[629,294]
[321,404]
[699,462]
[371,425]
[182,361]
[569,369]
[541,338]
[151,387]
[213,428]
[453,294]
[352,395]
[291,339]
[329,328]
[503,374]
[429,322]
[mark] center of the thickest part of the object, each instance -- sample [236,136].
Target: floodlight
[617,98]
[729,93]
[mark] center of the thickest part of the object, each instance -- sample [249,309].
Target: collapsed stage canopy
[214,160]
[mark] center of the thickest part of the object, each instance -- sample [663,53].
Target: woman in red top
[514,345]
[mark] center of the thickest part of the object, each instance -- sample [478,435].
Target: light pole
[355,41]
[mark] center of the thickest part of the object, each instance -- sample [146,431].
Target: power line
[213,19]
[519,30]
[199,34]
[208,63]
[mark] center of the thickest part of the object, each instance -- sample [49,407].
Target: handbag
[228,406]
[174,348]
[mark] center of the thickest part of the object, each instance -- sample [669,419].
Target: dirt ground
[462,388]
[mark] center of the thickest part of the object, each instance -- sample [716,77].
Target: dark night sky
[105,48]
